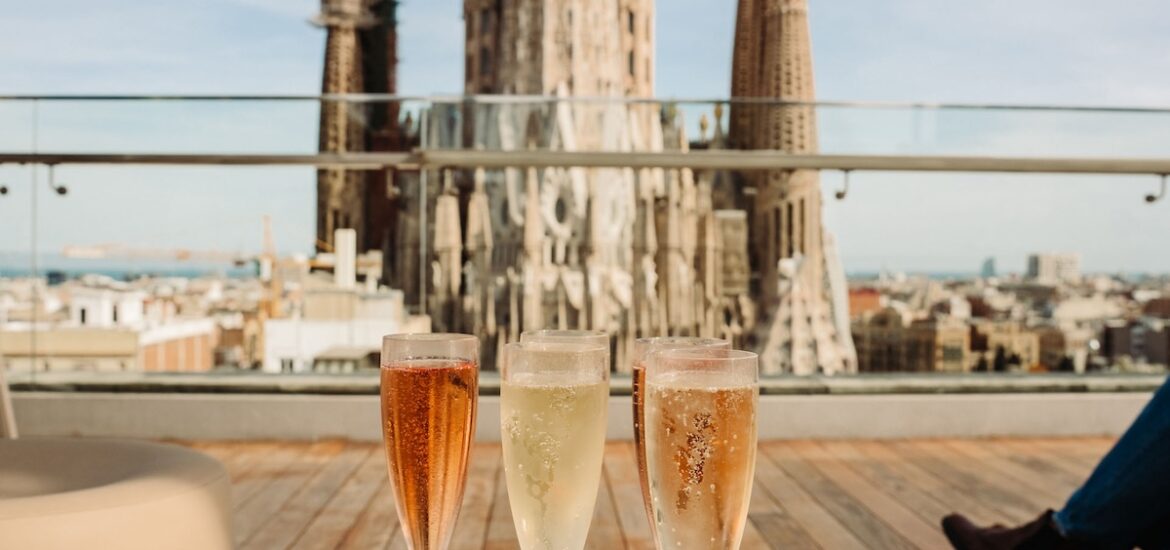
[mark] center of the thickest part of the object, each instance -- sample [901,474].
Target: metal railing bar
[353,161]
[515,99]
[714,160]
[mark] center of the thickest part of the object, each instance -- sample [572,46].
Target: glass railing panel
[508,123]
[633,251]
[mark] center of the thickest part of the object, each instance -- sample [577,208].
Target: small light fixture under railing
[60,189]
[845,189]
[1152,197]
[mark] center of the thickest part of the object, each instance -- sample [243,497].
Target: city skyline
[965,219]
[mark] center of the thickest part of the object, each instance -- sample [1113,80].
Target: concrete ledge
[312,417]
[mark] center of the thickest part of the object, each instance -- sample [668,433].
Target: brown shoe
[1040,534]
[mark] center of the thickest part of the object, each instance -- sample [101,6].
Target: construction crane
[121,251]
[270,274]
[267,262]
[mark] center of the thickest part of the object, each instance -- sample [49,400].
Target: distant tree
[981,366]
[1000,362]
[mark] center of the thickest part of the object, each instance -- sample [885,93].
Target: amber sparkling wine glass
[553,405]
[701,445]
[429,395]
[643,349]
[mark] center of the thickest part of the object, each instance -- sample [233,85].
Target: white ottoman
[82,493]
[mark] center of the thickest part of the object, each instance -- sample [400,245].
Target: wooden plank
[968,476]
[377,526]
[286,525]
[224,452]
[1080,454]
[806,494]
[474,516]
[907,480]
[605,533]
[769,525]
[341,513]
[1076,471]
[253,514]
[265,468]
[621,471]
[905,522]
[1036,460]
[989,469]
[251,454]
[821,526]
[1040,483]
[858,519]
[501,531]
[753,539]
[929,508]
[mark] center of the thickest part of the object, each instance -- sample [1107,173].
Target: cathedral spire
[772,60]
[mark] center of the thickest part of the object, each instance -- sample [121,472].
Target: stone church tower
[563,241]
[360,57]
[536,46]
[772,60]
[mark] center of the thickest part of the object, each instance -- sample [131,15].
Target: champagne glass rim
[427,337]
[555,357]
[690,341]
[732,367]
[584,347]
[707,353]
[562,333]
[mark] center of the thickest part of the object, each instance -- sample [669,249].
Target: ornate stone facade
[633,252]
[643,252]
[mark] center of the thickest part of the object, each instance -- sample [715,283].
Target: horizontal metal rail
[353,161]
[515,98]
[710,160]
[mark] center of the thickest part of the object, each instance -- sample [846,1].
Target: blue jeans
[1126,502]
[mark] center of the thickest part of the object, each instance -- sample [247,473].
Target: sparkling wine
[638,397]
[428,412]
[554,441]
[701,450]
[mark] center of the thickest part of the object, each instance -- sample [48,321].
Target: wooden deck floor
[834,495]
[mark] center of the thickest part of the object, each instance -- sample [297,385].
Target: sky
[1051,52]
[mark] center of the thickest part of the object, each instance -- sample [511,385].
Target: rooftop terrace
[829,494]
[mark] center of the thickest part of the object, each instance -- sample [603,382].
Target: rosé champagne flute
[644,348]
[701,445]
[429,392]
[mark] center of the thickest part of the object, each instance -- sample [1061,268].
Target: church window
[485,61]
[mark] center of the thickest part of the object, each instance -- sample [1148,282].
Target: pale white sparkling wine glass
[701,445]
[552,419]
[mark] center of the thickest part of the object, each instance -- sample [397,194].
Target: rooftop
[828,494]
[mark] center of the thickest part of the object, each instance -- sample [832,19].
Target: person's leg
[1157,537]
[1129,492]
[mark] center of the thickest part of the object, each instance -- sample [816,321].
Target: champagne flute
[553,399]
[598,338]
[643,349]
[701,445]
[429,391]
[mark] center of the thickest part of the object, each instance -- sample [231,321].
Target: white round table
[94,493]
